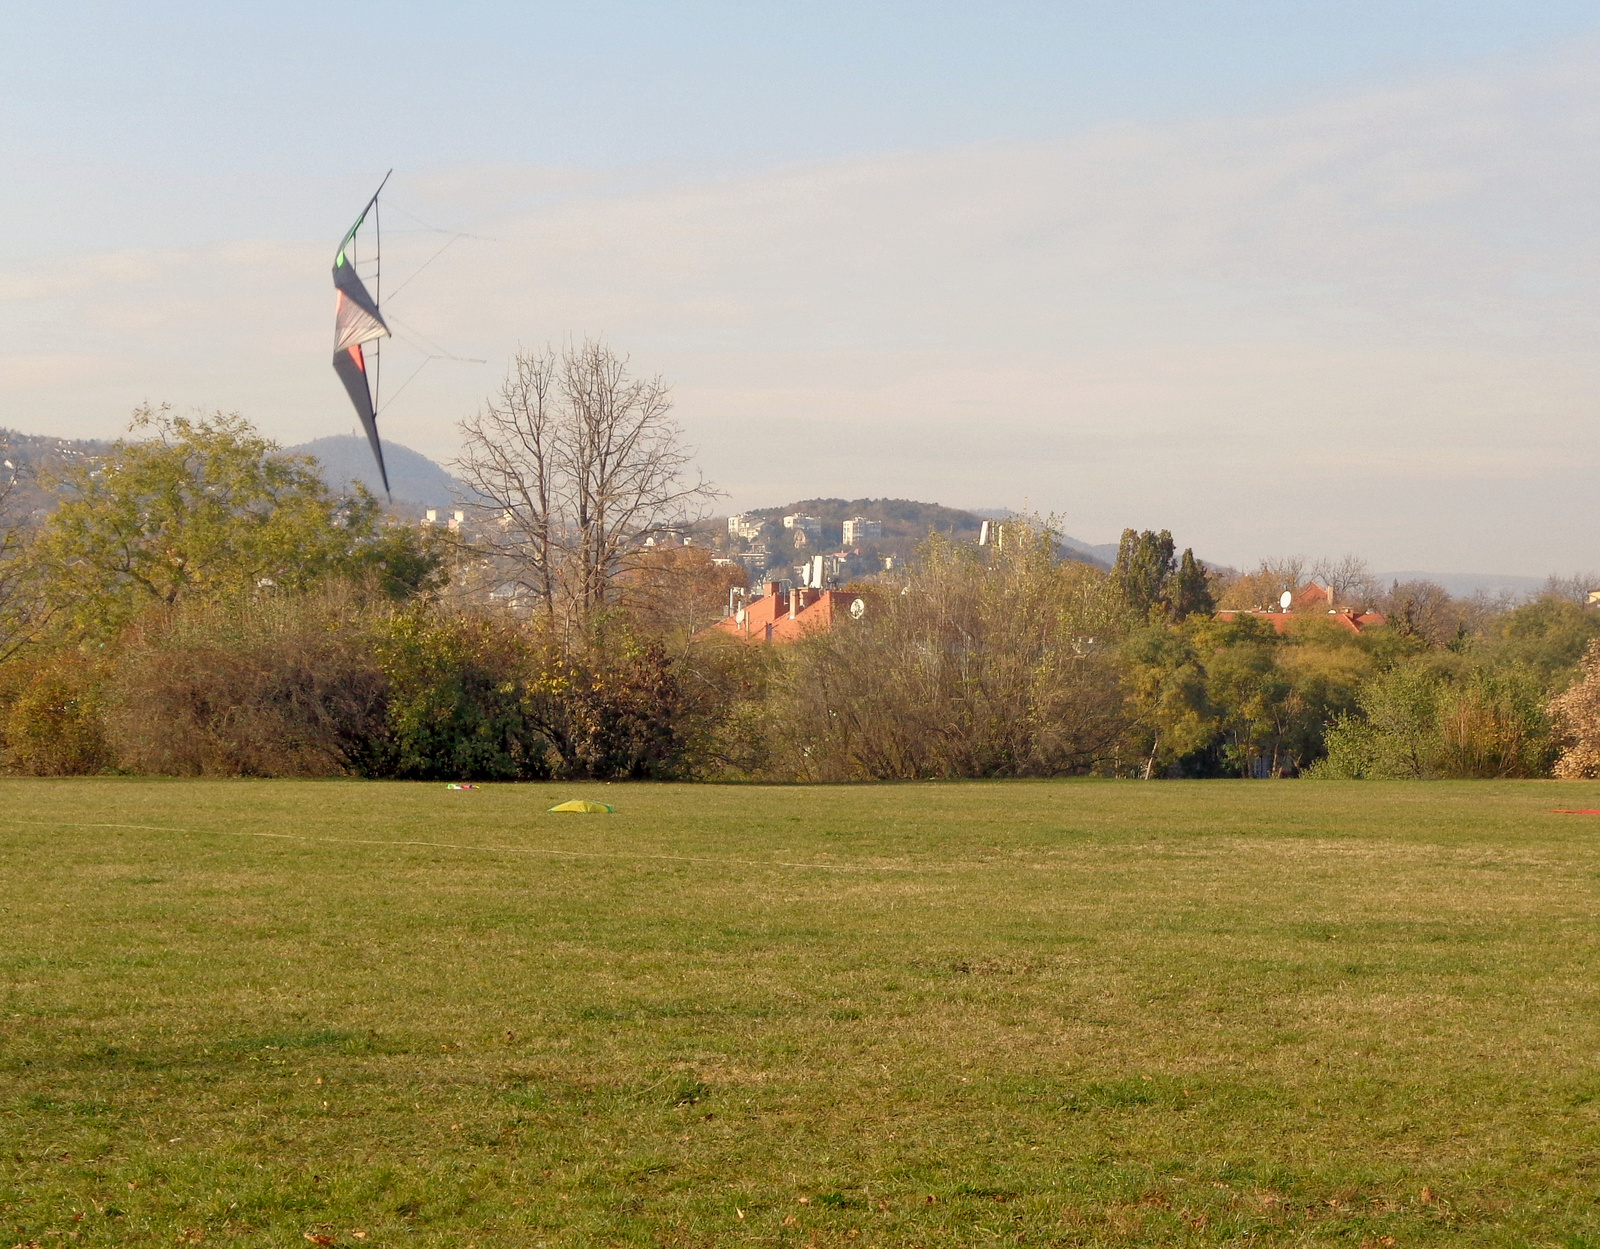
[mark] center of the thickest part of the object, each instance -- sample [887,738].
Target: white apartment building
[811,526]
[745,526]
[859,529]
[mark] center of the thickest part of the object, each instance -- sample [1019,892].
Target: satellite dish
[1284,602]
[858,609]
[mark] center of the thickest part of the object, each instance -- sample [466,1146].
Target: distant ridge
[908,521]
[413,477]
[1466,584]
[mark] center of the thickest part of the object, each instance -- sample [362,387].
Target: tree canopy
[205,509]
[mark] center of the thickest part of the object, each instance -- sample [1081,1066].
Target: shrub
[1576,718]
[612,708]
[55,726]
[991,663]
[491,698]
[456,699]
[270,686]
[1418,722]
[1494,724]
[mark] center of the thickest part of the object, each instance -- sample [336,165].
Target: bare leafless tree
[1574,589]
[1351,580]
[1424,608]
[572,467]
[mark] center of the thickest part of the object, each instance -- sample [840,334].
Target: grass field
[1286,1013]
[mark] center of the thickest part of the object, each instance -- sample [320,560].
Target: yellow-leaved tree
[204,509]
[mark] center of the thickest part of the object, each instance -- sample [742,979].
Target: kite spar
[357,321]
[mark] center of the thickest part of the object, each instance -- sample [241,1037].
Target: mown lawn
[243,1013]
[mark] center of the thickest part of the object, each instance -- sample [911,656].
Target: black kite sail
[356,322]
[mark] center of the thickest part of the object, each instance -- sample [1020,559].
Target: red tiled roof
[1356,622]
[767,618]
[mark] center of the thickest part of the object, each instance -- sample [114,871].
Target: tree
[677,590]
[1423,609]
[1420,720]
[1350,579]
[1189,589]
[1143,568]
[206,509]
[572,466]
[993,662]
[1575,589]
[1548,635]
[1260,590]
[1165,677]
[1147,578]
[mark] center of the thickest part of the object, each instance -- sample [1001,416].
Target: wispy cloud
[1368,324]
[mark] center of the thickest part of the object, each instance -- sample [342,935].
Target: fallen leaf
[790,1221]
[317,1238]
[1428,1195]
[358,1235]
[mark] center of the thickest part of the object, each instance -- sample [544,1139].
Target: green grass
[1047,1013]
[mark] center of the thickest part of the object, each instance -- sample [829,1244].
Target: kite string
[439,351]
[429,356]
[426,361]
[428,262]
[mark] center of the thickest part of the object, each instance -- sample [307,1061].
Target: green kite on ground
[584,806]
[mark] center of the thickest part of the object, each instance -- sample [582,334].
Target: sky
[1284,278]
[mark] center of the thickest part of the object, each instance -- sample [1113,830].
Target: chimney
[772,589]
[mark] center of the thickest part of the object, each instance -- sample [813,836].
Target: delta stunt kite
[356,322]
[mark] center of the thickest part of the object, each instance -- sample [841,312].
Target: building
[800,523]
[1313,603]
[745,526]
[859,529]
[821,571]
[787,615]
[1356,622]
[455,521]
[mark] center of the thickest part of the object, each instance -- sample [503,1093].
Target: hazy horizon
[1318,281]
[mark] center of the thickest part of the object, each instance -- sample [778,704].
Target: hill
[28,456]
[903,519]
[413,477]
[906,523]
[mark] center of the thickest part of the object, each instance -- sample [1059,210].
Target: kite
[357,321]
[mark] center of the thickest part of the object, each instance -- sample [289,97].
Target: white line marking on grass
[450,845]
